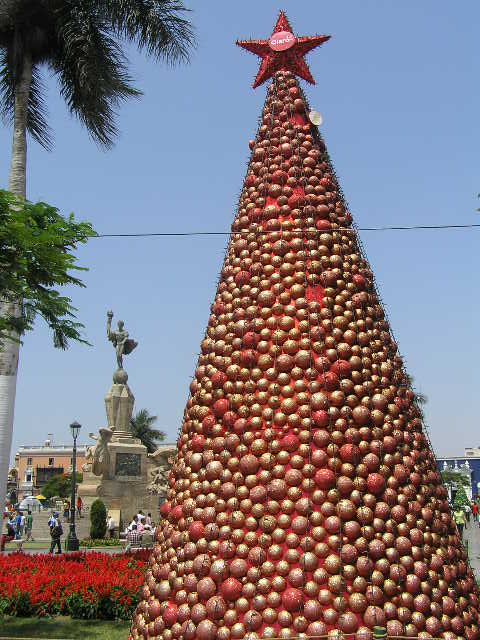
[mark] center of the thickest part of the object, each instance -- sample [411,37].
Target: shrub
[98,519]
[102,542]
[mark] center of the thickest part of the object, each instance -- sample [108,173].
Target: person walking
[475,511]
[56,532]
[111,526]
[29,526]
[79,506]
[460,520]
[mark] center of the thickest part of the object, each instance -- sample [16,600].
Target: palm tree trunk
[9,352]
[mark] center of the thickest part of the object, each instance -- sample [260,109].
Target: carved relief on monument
[128,464]
[159,471]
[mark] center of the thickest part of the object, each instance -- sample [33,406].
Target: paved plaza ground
[471,535]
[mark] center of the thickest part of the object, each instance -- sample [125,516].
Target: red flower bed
[81,585]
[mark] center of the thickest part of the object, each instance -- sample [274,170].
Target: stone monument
[118,468]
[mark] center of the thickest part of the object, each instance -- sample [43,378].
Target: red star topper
[283,51]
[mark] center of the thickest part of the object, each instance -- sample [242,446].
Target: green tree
[81,43]
[98,520]
[36,258]
[141,427]
[452,477]
[60,485]
[461,498]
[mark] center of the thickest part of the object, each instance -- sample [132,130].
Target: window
[28,477]
[50,462]
[29,461]
[71,460]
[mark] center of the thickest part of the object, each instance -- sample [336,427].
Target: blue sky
[397,86]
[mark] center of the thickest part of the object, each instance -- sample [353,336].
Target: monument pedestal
[119,473]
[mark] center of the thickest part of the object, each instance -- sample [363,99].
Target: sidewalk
[472,535]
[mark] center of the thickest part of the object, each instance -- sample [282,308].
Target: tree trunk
[9,352]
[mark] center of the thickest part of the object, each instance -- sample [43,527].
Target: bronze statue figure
[120,340]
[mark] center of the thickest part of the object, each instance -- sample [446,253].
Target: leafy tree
[141,427]
[60,485]
[454,477]
[79,42]
[461,498]
[98,520]
[36,258]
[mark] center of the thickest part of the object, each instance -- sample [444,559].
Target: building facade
[467,466]
[35,465]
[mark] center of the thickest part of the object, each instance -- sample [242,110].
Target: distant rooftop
[47,447]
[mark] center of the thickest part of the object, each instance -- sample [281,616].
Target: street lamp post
[72,540]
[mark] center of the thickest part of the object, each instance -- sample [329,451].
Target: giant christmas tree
[304,497]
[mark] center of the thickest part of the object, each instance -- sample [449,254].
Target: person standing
[148,519]
[56,532]
[111,526]
[9,535]
[22,524]
[18,519]
[460,520]
[66,510]
[79,506]
[475,511]
[29,526]
[468,512]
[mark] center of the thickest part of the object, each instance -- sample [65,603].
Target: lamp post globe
[72,540]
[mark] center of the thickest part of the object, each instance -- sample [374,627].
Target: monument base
[125,478]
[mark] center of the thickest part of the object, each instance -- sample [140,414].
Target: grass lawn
[29,546]
[62,627]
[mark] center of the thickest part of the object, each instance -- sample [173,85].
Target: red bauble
[292,599]
[350,453]
[170,614]
[325,479]
[320,418]
[376,483]
[231,589]
[220,407]
[196,531]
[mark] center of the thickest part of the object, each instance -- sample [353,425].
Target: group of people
[140,531]
[67,506]
[462,516]
[18,526]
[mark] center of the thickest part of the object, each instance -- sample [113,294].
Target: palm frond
[7,95]
[37,125]
[92,71]
[154,25]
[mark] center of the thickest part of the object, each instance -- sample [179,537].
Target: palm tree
[79,42]
[420,398]
[141,427]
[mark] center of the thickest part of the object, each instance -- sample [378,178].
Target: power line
[306,230]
